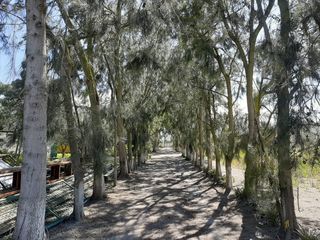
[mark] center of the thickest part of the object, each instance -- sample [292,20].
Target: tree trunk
[130,160]
[218,162]
[231,141]
[248,63]
[32,200]
[139,155]
[250,157]
[155,143]
[123,161]
[17,146]
[189,151]
[135,143]
[231,138]
[208,135]
[192,154]
[196,157]
[201,147]
[215,140]
[78,208]
[184,149]
[98,154]
[97,129]
[288,217]
[121,147]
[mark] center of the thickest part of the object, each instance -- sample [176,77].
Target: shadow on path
[165,199]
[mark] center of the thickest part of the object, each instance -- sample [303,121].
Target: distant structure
[5,179]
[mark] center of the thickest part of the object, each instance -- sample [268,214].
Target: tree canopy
[228,80]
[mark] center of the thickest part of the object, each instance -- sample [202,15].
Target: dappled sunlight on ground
[166,199]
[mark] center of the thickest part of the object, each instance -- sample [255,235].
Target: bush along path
[167,199]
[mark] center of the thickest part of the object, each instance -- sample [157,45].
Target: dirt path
[166,199]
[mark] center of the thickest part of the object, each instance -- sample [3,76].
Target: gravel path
[166,199]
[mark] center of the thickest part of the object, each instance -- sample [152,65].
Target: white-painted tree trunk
[32,201]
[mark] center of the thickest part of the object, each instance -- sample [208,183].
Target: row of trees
[120,71]
[264,49]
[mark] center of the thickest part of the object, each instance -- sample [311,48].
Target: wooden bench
[55,169]
[16,178]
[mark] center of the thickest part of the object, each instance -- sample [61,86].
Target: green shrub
[272,216]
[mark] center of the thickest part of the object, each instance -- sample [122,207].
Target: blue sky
[13,55]
[10,65]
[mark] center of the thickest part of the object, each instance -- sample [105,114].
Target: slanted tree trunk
[288,217]
[97,129]
[32,200]
[78,208]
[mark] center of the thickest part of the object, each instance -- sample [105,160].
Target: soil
[167,198]
[306,200]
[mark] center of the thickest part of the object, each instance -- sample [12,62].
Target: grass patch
[306,171]
[238,160]
[272,216]
[308,234]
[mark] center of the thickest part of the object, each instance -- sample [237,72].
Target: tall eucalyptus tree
[85,58]
[247,51]
[32,200]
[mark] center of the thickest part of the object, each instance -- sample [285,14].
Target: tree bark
[248,63]
[231,138]
[200,122]
[215,140]
[121,147]
[139,147]
[98,154]
[130,160]
[250,158]
[78,208]
[208,135]
[123,161]
[288,217]
[97,129]
[32,200]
